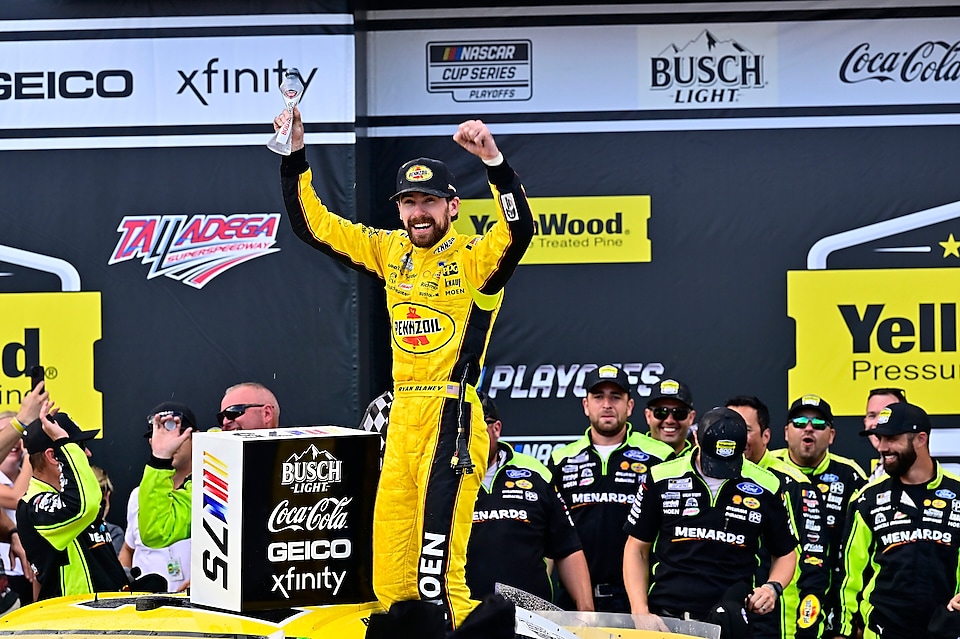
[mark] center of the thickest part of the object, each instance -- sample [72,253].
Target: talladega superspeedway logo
[195,251]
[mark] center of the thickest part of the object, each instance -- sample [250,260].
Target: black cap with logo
[606,373]
[36,440]
[425,175]
[187,418]
[671,389]
[812,402]
[900,418]
[722,435]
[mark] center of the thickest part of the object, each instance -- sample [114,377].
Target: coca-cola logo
[329,513]
[931,61]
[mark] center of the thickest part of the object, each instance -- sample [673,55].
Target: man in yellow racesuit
[443,291]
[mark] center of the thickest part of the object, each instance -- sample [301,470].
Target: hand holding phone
[36,376]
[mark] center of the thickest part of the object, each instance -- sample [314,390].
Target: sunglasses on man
[679,413]
[816,422]
[232,412]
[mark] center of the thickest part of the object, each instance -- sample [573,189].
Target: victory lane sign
[283,518]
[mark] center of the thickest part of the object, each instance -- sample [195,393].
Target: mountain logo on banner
[707,70]
[198,249]
[311,471]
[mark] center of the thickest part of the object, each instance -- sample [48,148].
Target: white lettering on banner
[314,475]
[601,498]
[279,551]
[328,513]
[325,579]
[928,61]
[554,381]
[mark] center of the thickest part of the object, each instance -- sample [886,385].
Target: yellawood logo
[860,329]
[574,230]
[58,331]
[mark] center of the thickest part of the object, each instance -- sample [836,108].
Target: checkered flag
[376,417]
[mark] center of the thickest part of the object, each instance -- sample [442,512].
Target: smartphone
[36,376]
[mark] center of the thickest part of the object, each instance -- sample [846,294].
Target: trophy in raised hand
[292,90]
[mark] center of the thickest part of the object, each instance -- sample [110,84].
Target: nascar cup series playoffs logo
[498,70]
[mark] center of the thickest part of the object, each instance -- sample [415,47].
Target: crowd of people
[56,536]
[689,517]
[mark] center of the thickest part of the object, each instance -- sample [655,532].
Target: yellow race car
[163,616]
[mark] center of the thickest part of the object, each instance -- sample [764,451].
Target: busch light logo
[706,70]
[312,471]
[195,250]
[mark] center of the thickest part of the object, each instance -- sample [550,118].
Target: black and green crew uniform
[599,492]
[901,555]
[799,610]
[70,554]
[518,521]
[704,544]
[837,478]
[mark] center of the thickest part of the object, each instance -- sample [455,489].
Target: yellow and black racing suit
[442,301]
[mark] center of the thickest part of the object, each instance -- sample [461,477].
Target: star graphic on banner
[951,247]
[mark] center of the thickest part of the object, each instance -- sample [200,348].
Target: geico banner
[56,330]
[574,230]
[193,77]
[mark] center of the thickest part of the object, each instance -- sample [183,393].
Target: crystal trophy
[292,90]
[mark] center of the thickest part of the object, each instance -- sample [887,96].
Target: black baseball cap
[187,418]
[606,373]
[425,175]
[722,434]
[671,389]
[814,402]
[490,411]
[36,440]
[900,418]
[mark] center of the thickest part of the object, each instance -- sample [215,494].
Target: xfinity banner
[188,73]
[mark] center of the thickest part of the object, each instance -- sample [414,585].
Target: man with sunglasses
[598,476]
[877,400]
[670,414]
[248,406]
[444,291]
[809,433]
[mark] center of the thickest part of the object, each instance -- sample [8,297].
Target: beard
[432,235]
[904,461]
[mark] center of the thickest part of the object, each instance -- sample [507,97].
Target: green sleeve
[164,512]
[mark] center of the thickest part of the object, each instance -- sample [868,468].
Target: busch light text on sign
[499,70]
[707,70]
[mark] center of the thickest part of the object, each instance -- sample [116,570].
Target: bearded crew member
[598,476]
[444,291]
[903,546]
